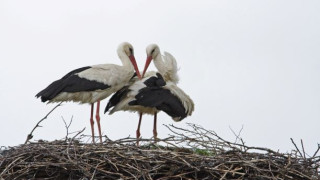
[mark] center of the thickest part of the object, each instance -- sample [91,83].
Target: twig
[229,170]
[77,134]
[67,126]
[30,136]
[237,135]
[7,168]
[296,147]
[190,153]
[315,153]
[304,153]
[94,172]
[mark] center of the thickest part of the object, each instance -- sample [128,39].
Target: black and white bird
[157,91]
[91,84]
[166,64]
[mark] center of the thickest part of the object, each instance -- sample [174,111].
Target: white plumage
[112,75]
[93,83]
[133,90]
[166,64]
[167,67]
[138,85]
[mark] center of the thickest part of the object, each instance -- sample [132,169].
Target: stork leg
[138,129]
[155,134]
[98,120]
[91,122]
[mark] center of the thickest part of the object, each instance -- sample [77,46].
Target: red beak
[148,61]
[134,63]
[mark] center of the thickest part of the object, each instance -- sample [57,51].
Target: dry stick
[296,147]
[30,136]
[7,168]
[77,134]
[314,155]
[67,126]
[72,140]
[94,172]
[229,170]
[126,161]
[236,135]
[304,153]
[235,146]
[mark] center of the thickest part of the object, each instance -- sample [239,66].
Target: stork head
[153,51]
[126,48]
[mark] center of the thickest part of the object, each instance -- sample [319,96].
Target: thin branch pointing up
[30,136]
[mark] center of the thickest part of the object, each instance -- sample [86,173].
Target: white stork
[92,84]
[156,91]
[166,65]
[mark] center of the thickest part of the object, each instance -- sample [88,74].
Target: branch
[296,147]
[236,135]
[30,136]
[315,153]
[304,153]
[67,126]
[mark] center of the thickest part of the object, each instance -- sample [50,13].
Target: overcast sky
[254,64]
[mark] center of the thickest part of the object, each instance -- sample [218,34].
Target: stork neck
[160,65]
[125,60]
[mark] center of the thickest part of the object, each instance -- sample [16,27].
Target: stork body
[167,67]
[156,91]
[92,84]
[151,95]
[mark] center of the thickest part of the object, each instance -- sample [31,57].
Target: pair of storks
[147,94]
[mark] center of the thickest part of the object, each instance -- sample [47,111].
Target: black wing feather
[155,81]
[154,96]
[117,97]
[161,99]
[70,83]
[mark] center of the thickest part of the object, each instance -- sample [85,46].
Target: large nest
[192,153]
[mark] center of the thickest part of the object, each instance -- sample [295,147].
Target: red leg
[138,129]
[155,134]
[98,120]
[91,122]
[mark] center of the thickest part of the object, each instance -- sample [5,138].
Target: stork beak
[134,63]
[148,61]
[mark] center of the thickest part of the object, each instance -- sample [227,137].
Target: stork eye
[153,51]
[131,50]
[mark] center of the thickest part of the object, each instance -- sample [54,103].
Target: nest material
[188,154]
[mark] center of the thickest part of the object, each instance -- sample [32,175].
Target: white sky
[254,64]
